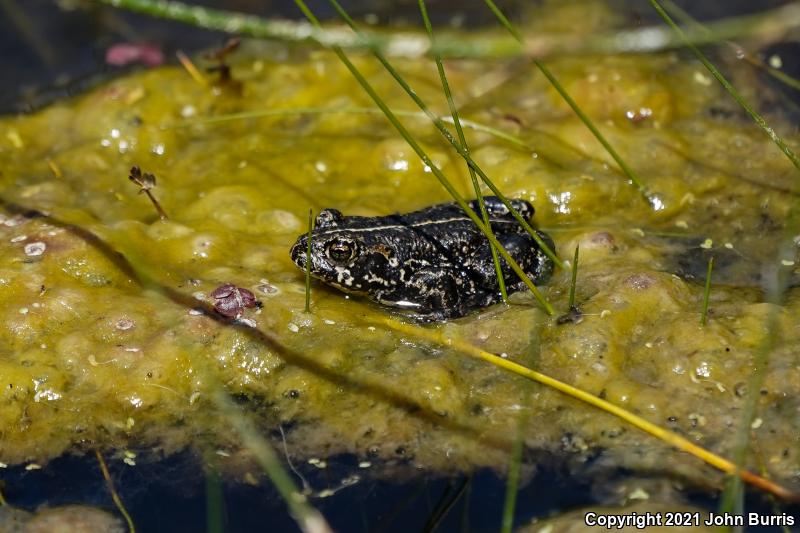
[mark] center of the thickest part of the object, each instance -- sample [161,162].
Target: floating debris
[231,301]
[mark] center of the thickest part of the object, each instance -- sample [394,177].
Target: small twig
[147,181]
[113,491]
[308,260]
[190,67]
[220,55]
[707,292]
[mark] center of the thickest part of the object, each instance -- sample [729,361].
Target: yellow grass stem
[681,443]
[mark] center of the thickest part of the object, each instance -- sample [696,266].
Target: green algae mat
[106,341]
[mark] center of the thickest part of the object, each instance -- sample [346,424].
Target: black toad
[433,262]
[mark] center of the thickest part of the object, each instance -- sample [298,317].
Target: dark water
[169,496]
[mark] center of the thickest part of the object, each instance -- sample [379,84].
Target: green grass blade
[775,286]
[732,498]
[685,18]
[265,113]
[463,140]
[766,25]
[215,502]
[757,118]
[574,279]
[307,517]
[449,137]
[503,20]
[512,483]
[434,169]
[515,464]
[707,292]
[733,495]
[652,199]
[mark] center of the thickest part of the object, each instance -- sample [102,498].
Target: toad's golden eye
[341,251]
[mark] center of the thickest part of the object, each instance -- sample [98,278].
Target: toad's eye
[341,251]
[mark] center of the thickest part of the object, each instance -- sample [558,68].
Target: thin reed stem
[215,507]
[685,18]
[427,161]
[707,292]
[512,482]
[651,199]
[113,491]
[757,118]
[307,517]
[452,140]
[463,140]
[574,280]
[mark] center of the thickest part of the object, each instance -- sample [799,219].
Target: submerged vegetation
[113,336]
